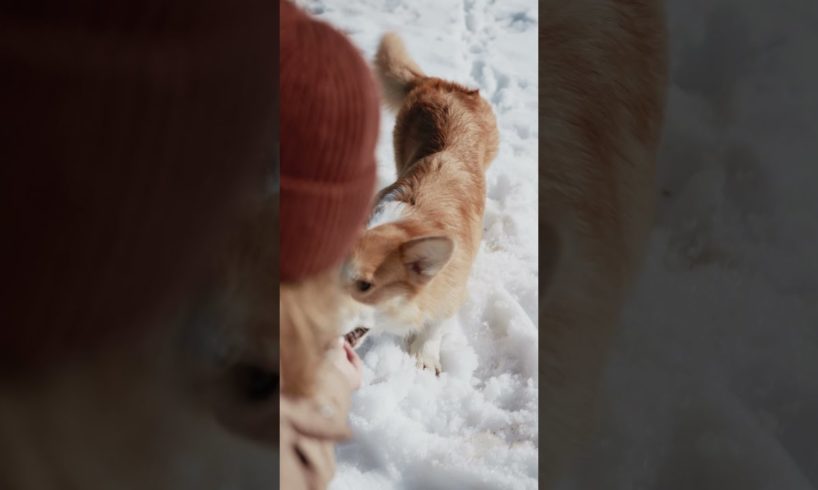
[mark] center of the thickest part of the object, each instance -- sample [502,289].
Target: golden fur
[602,80]
[445,137]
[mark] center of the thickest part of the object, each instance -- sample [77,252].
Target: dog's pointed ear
[425,257]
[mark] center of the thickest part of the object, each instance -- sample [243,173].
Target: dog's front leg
[424,346]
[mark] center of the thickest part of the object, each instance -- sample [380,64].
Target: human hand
[343,356]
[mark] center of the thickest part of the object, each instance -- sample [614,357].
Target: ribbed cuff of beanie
[320,221]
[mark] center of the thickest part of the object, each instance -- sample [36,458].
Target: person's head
[329,126]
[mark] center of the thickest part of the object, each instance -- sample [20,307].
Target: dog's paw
[426,354]
[428,364]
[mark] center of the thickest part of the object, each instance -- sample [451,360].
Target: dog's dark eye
[363,286]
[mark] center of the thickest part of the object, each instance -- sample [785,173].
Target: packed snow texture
[714,382]
[474,427]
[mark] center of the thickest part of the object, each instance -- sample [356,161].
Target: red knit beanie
[329,128]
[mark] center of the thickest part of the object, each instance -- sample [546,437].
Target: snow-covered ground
[714,384]
[714,381]
[474,427]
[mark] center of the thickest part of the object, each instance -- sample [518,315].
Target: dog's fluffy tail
[396,70]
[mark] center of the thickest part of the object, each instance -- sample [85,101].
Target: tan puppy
[602,81]
[412,264]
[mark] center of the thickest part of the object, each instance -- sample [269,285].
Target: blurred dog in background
[602,79]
